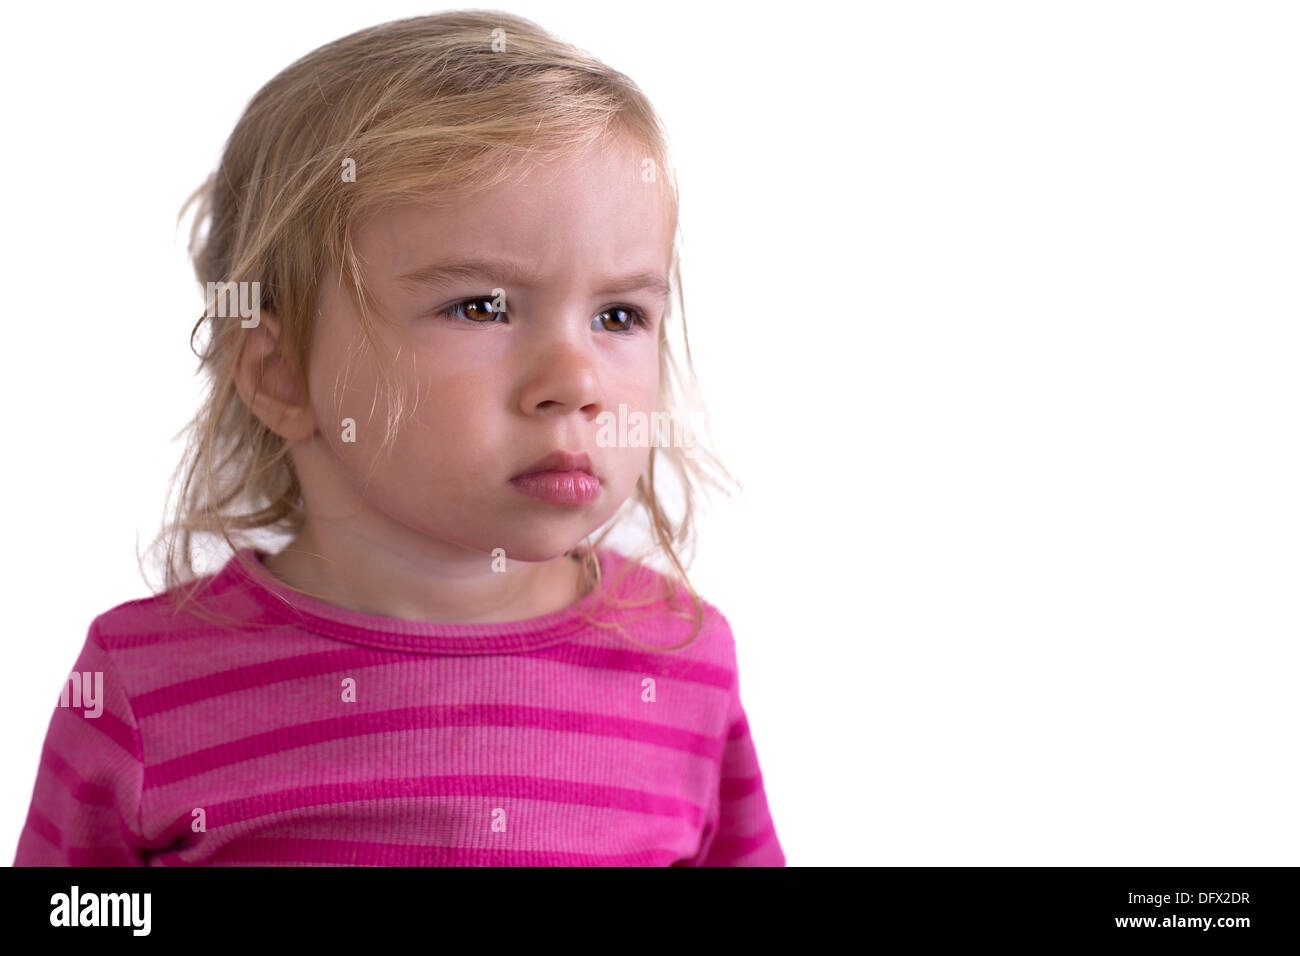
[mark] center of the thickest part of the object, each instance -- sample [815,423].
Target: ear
[267,383]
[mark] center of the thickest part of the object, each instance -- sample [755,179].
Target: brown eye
[479,310]
[623,319]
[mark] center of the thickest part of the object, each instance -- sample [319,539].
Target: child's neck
[362,586]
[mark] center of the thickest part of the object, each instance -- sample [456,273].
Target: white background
[995,309]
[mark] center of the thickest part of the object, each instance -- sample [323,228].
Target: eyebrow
[511,274]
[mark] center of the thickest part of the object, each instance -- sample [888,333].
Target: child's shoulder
[197,606]
[676,612]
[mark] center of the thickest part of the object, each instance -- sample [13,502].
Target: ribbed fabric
[546,742]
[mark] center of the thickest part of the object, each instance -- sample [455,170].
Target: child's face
[493,395]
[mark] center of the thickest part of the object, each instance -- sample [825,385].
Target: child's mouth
[572,488]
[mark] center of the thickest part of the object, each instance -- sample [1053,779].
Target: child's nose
[561,377]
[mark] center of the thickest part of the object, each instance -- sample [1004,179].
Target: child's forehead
[596,175]
[617,166]
[539,254]
[580,210]
[550,203]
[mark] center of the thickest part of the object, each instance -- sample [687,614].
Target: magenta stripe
[734,788]
[45,827]
[658,666]
[265,674]
[282,669]
[189,631]
[86,794]
[91,794]
[99,856]
[739,729]
[736,847]
[286,851]
[306,734]
[512,786]
[119,731]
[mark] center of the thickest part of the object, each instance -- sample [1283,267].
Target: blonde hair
[434,106]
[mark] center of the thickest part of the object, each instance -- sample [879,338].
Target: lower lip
[573,488]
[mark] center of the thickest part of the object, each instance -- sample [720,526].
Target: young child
[449,243]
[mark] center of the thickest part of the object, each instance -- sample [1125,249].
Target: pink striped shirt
[310,734]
